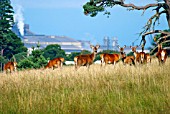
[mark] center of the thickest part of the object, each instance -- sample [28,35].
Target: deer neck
[93,56]
[135,53]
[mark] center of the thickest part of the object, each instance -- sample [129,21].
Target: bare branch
[162,39]
[150,22]
[139,7]
[157,46]
[166,35]
[155,31]
[121,2]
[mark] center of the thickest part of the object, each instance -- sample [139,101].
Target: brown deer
[127,59]
[55,63]
[139,56]
[111,58]
[86,60]
[10,66]
[161,54]
[147,58]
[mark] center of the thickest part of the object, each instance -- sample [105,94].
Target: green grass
[121,89]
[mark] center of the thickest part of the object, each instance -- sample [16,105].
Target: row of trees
[40,57]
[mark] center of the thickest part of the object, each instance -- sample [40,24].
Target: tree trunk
[168,17]
[168,12]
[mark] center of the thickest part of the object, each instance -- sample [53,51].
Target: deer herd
[88,59]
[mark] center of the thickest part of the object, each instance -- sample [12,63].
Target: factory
[31,40]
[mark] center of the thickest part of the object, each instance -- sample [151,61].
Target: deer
[127,59]
[139,56]
[55,63]
[147,58]
[161,54]
[86,60]
[111,58]
[10,66]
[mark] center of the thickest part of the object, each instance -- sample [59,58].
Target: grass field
[108,90]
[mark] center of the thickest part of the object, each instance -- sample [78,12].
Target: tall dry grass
[107,90]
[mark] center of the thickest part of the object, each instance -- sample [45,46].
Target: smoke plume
[19,19]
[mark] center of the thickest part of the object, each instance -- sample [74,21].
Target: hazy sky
[66,18]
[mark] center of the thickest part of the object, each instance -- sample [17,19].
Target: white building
[31,39]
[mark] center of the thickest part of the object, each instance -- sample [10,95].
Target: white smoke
[19,19]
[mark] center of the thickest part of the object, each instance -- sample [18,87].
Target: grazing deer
[111,58]
[10,66]
[56,62]
[127,59]
[161,54]
[86,60]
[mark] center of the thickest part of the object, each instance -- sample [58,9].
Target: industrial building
[31,40]
[68,44]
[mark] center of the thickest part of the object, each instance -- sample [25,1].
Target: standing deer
[148,58]
[137,55]
[111,58]
[86,60]
[55,63]
[141,57]
[161,54]
[10,66]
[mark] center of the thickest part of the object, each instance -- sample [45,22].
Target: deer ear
[124,46]
[130,46]
[97,46]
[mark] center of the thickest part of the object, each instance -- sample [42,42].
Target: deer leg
[53,67]
[61,65]
[11,69]
[101,62]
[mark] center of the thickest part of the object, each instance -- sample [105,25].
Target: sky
[66,18]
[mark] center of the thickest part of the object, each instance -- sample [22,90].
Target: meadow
[119,89]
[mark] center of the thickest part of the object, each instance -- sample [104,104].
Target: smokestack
[19,19]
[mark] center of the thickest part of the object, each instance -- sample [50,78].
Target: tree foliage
[6,16]
[53,51]
[10,44]
[160,7]
[35,60]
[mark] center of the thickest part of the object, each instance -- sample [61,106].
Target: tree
[53,51]
[6,16]
[13,45]
[160,7]
[159,38]
[6,20]
[10,44]
[35,60]
[83,52]
[71,56]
